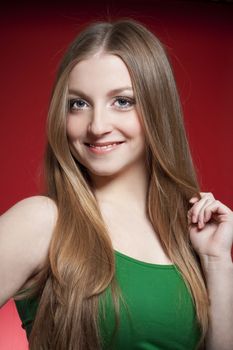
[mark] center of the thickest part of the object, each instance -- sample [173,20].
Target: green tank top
[161,312]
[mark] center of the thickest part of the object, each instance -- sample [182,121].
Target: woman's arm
[219,275]
[25,233]
[211,234]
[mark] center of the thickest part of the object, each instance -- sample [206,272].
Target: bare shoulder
[25,234]
[40,207]
[30,217]
[32,221]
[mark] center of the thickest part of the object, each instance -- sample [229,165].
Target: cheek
[132,127]
[74,129]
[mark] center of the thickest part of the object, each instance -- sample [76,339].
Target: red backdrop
[198,36]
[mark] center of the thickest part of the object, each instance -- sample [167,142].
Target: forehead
[100,73]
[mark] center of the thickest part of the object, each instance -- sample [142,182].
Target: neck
[127,189]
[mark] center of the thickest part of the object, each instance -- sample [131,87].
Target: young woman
[123,250]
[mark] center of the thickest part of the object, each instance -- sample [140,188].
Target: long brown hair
[81,264]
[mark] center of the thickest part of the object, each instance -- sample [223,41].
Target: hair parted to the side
[81,265]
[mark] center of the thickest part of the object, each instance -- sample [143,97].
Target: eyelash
[72,101]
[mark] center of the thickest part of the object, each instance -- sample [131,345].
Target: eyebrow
[110,93]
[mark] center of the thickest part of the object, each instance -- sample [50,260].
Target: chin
[104,172]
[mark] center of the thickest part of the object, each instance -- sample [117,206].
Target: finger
[207,214]
[203,215]
[193,200]
[203,195]
[207,194]
[197,207]
[216,210]
[196,198]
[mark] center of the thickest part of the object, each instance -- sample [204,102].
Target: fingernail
[200,224]
[192,200]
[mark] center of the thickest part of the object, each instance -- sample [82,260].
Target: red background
[199,39]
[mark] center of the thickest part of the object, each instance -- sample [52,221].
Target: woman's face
[103,125]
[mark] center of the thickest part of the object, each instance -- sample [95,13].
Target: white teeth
[103,147]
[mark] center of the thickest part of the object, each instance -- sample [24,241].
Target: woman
[123,251]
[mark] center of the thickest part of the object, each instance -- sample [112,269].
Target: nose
[100,122]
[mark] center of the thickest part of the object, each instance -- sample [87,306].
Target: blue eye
[124,102]
[76,104]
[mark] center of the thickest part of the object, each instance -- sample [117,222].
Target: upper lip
[102,143]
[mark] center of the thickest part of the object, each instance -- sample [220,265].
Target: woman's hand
[210,228]
[211,234]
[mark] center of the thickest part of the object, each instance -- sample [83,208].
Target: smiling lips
[102,147]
